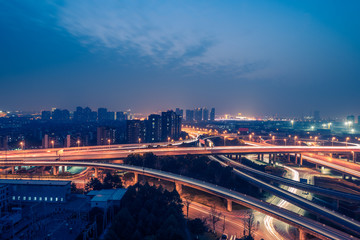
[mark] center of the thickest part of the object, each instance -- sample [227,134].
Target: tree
[249,223]
[214,217]
[93,184]
[112,181]
[197,226]
[73,187]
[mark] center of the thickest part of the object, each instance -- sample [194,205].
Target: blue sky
[256,57]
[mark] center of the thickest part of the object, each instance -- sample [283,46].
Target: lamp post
[273,140]
[22,144]
[346,140]
[78,143]
[285,141]
[295,140]
[332,141]
[52,143]
[109,142]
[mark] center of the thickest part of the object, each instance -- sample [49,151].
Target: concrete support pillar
[296,158]
[330,155]
[258,157]
[302,234]
[262,157]
[96,172]
[343,176]
[178,188]
[136,177]
[354,157]
[275,158]
[288,157]
[55,170]
[229,205]
[270,157]
[301,159]
[13,169]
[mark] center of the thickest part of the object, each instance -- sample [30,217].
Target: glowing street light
[292,123]
[346,140]
[52,143]
[285,141]
[109,142]
[22,144]
[273,139]
[295,139]
[332,141]
[78,143]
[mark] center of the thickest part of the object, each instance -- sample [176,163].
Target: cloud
[165,34]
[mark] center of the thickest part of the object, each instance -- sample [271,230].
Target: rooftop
[34,182]
[107,195]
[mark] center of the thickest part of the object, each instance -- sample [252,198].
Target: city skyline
[258,58]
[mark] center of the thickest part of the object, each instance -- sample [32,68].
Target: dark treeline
[152,213]
[199,167]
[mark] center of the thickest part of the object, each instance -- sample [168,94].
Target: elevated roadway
[302,186]
[302,223]
[328,214]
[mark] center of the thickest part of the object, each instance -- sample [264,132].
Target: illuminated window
[62,199]
[29,198]
[40,198]
[18,198]
[34,198]
[24,198]
[56,199]
[45,198]
[51,199]
[13,197]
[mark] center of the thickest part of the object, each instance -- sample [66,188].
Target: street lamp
[295,139]
[250,136]
[109,142]
[346,140]
[285,141]
[332,141]
[78,143]
[273,139]
[52,143]
[22,145]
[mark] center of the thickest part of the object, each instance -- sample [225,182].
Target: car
[224,237]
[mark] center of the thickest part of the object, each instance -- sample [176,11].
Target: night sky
[256,57]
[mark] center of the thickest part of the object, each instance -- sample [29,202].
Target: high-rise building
[135,131]
[153,128]
[179,112]
[61,115]
[102,114]
[170,125]
[110,116]
[105,135]
[198,114]
[317,116]
[205,115]
[45,115]
[212,114]
[79,114]
[121,116]
[189,115]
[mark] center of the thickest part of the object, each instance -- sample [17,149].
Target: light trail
[269,221]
